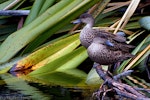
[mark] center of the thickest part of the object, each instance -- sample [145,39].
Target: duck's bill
[77,21]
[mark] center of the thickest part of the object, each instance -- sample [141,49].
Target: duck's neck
[86,35]
[87,28]
[90,24]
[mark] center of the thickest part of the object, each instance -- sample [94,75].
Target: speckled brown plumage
[88,33]
[95,42]
[100,53]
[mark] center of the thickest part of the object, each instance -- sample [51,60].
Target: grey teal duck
[103,47]
[87,34]
[102,53]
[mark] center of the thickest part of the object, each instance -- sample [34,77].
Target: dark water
[13,88]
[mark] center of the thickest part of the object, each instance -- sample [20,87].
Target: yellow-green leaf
[65,45]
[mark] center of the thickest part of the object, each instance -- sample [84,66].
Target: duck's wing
[118,46]
[113,45]
[103,49]
[113,41]
[115,37]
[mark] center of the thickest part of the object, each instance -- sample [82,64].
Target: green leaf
[65,67]
[49,53]
[46,5]
[69,77]
[34,11]
[69,61]
[132,25]
[4,4]
[93,78]
[25,35]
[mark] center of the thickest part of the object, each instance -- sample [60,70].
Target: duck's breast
[86,37]
[100,54]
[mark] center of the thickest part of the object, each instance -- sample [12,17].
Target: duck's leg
[120,75]
[101,89]
[113,67]
[97,64]
[101,92]
[116,65]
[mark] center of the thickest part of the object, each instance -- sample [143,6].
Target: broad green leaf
[27,34]
[52,41]
[69,77]
[46,5]
[93,78]
[132,25]
[34,11]
[58,54]
[56,49]
[69,61]
[64,67]
[4,4]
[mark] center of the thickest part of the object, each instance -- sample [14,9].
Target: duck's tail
[129,55]
[126,47]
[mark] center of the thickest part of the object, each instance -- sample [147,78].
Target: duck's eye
[83,16]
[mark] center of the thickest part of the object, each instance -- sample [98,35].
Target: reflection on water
[9,94]
[13,88]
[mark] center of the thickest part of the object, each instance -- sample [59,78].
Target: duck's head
[85,18]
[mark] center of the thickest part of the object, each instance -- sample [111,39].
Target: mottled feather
[88,34]
[99,52]
[95,42]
